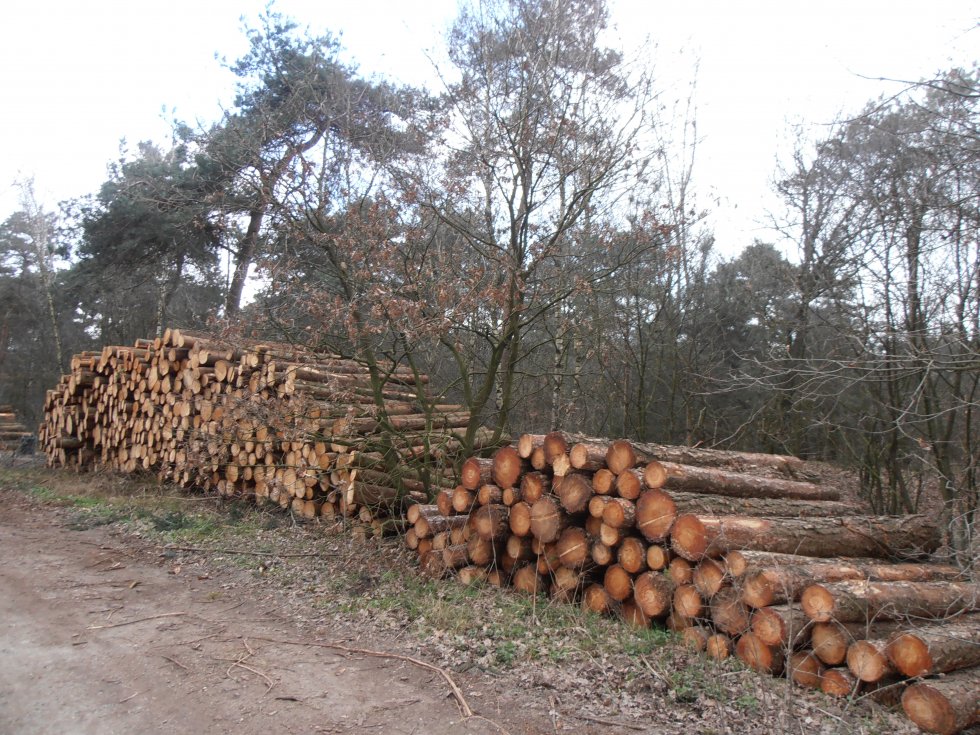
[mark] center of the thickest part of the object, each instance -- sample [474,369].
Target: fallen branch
[457,692]
[138,620]
[242,552]
[601,721]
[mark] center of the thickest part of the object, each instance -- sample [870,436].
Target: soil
[100,635]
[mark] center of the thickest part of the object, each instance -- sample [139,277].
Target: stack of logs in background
[12,432]
[740,554]
[259,420]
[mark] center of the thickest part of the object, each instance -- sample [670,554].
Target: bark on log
[785,583]
[721,482]
[859,601]
[945,646]
[946,705]
[694,537]
[701,504]
[619,513]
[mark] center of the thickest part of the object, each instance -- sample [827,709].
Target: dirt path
[95,638]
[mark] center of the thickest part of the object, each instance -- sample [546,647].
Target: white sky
[76,77]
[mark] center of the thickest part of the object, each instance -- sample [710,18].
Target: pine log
[946,705]
[491,521]
[634,615]
[555,445]
[526,579]
[588,457]
[944,646]
[533,486]
[695,637]
[575,492]
[757,655]
[709,577]
[721,482]
[620,456]
[701,504]
[718,646]
[604,482]
[786,582]
[729,614]
[736,461]
[867,660]
[784,626]
[694,537]
[805,669]
[859,601]
[566,584]
[655,514]
[680,571]
[573,546]
[658,558]
[629,484]
[687,602]
[830,641]
[619,513]
[507,467]
[596,599]
[632,555]
[490,495]
[547,519]
[838,682]
[520,519]
[619,583]
[483,552]
[475,472]
[654,594]
[602,554]
[472,575]
[527,443]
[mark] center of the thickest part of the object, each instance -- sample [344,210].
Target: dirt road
[97,638]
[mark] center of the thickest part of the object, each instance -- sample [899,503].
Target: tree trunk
[721,482]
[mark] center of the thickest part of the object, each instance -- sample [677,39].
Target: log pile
[261,420]
[12,432]
[732,551]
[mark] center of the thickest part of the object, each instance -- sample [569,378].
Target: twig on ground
[242,552]
[175,662]
[454,688]
[138,620]
[602,721]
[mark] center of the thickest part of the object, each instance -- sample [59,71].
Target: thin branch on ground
[242,552]
[138,620]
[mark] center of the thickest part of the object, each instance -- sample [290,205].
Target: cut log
[838,682]
[566,584]
[548,520]
[946,705]
[574,549]
[602,554]
[629,484]
[721,482]
[867,660]
[620,456]
[736,461]
[805,669]
[654,594]
[604,482]
[634,615]
[718,646]
[695,637]
[490,494]
[830,641]
[632,555]
[597,505]
[520,519]
[588,457]
[483,552]
[694,537]
[527,443]
[475,472]
[709,577]
[701,504]
[688,602]
[619,513]
[945,646]
[858,601]
[619,584]
[655,514]
[658,558]
[526,579]
[555,445]
[596,599]
[507,467]
[680,571]
[757,655]
[729,614]
[472,575]
[575,492]
[533,486]
[491,521]
[783,626]
[786,582]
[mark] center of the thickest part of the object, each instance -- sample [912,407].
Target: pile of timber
[261,420]
[733,552]
[12,432]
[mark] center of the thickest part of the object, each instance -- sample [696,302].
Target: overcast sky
[76,77]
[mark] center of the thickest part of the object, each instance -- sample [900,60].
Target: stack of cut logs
[265,420]
[12,432]
[737,553]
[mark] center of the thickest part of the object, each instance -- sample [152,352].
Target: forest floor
[126,606]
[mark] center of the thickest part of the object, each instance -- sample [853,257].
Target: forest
[528,235]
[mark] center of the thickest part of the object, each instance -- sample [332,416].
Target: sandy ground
[97,638]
